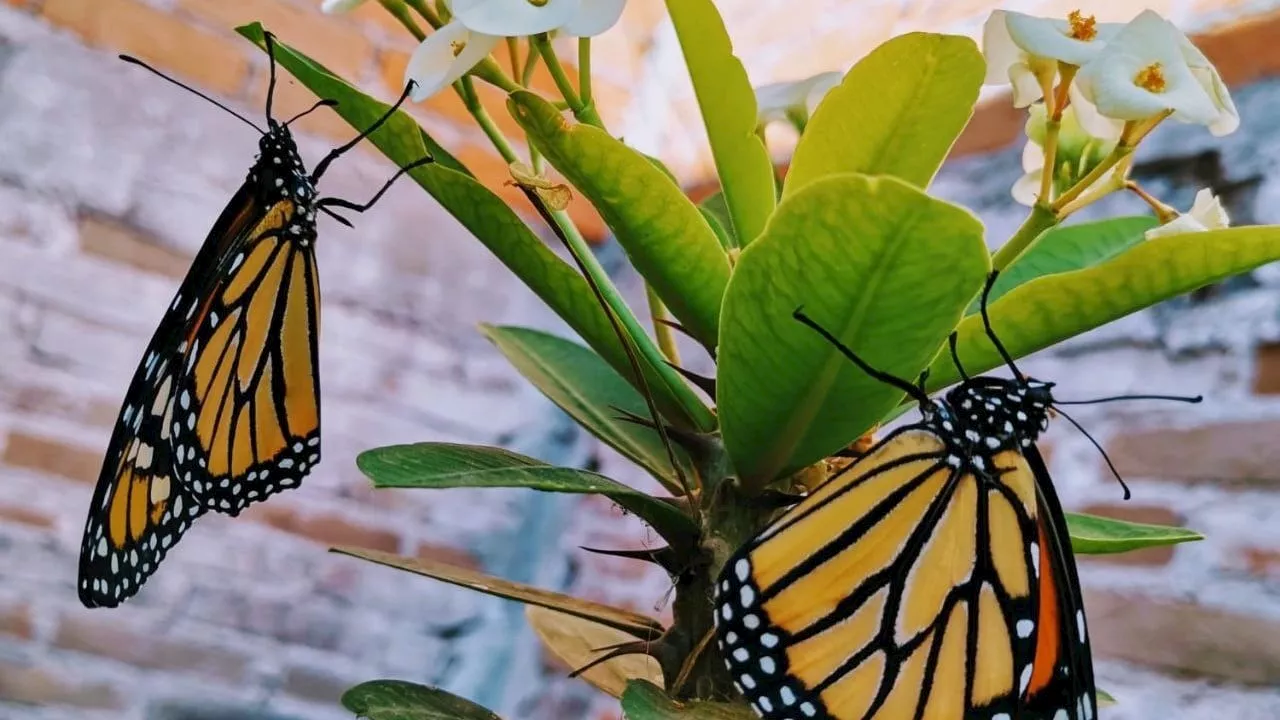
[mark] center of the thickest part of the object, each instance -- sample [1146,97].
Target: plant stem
[1120,152]
[1051,130]
[584,71]
[1041,218]
[467,90]
[666,336]
[400,12]
[513,51]
[584,113]
[428,14]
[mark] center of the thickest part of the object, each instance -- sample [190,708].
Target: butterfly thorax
[279,175]
[985,416]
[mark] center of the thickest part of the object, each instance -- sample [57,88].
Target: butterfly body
[931,579]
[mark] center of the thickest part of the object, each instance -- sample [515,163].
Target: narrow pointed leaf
[646,701]
[401,700]
[1053,308]
[634,624]
[667,239]
[584,386]
[578,642]
[449,465]
[885,268]
[897,112]
[1093,535]
[1071,247]
[729,111]
[494,223]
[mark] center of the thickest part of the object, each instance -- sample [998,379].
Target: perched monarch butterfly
[931,579]
[224,409]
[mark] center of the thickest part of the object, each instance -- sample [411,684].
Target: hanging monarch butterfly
[224,409]
[931,579]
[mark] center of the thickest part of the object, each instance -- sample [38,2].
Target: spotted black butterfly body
[931,579]
[224,409]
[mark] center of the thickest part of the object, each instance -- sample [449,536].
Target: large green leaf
[1093,535]
[897,112]
[634,624]
[885,268]
[1071,247]
[1052,308]
[400,700]
[728,107]
[645,701]
[667,239]
[449,465]
[583,385]
[495,224]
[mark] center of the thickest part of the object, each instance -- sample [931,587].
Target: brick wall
[108,179]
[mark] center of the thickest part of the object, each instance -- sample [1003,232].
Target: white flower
[516,18]
[339,6]
[446,55]
[1207,75]
[1144,72]
[1024,51]
[1206,213]
[785,100]
[1078,151]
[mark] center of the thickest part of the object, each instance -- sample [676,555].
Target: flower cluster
[477,26]
[1094,91]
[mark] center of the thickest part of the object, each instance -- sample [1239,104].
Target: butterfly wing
[247,420]
[905,587]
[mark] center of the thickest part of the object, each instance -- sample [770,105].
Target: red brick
[25,516]
[1184,637]
[34,452]
[315,685]
[216,62]
[1152,514]
[1266,378]
[46,687]
[333,41]
[1245,452]
[1261,562]
[16,621]
[113,240]
[107,637]
[325,528]
[443,553]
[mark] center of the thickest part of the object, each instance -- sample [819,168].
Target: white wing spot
[1025,628]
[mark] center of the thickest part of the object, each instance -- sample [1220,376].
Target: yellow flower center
[457,46]
[1151,78]
[538,3]
[1083,27]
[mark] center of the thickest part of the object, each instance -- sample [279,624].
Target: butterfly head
[1000,414]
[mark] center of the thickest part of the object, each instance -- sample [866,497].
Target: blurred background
[110,178]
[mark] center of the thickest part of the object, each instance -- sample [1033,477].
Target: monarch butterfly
[931,579]
[224,408]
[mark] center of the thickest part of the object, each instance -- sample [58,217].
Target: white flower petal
[1207,75]
[998,48]
[819,86]
[1026,86]
[1051,38]
[1208,211]
[446,55]
[1026,189]
[1091,121]
[1177,226]
[594,17]
[514,18]
[339,6]
[775,100]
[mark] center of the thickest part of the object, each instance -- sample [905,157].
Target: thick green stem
[400,12]
[584,113]
[584,72]
[666,336]
[1041,218]
[1051,130]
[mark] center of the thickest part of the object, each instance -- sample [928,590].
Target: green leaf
[1093,535]
[487,217]
[400,700]
[645,701]
[1071,247]
[667,239]
[591,392]
[1104,698]
[713,207]
[1053,308]
[728,107]
[449,465]
[634,624]
[897,112]
[884,267]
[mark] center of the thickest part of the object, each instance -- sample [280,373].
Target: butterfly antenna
[1191,399]
[991,333]
[193,91]
[337,152]
[955,356]
[1097,445]
[916,393]
[271,71]
[319,104]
